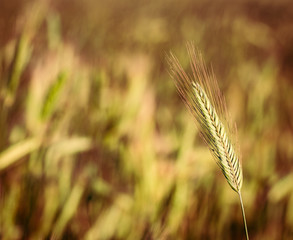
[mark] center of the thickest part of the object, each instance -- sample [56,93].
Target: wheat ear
[202,96]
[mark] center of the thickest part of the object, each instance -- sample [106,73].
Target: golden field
[95,142]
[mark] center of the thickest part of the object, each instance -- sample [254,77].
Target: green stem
[243,215]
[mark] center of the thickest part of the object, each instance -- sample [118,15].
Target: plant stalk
[243,215]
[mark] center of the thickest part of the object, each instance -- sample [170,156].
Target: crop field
[96,143]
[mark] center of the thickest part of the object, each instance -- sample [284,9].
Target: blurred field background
[95,142]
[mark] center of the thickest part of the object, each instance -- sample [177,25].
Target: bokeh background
[95,142]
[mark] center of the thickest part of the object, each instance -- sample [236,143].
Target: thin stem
[243,215]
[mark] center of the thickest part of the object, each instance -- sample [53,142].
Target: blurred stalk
[19,62]
[17,151]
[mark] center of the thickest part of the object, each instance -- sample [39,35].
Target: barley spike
[202,96]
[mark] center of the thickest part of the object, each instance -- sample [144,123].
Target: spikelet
[202,96]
